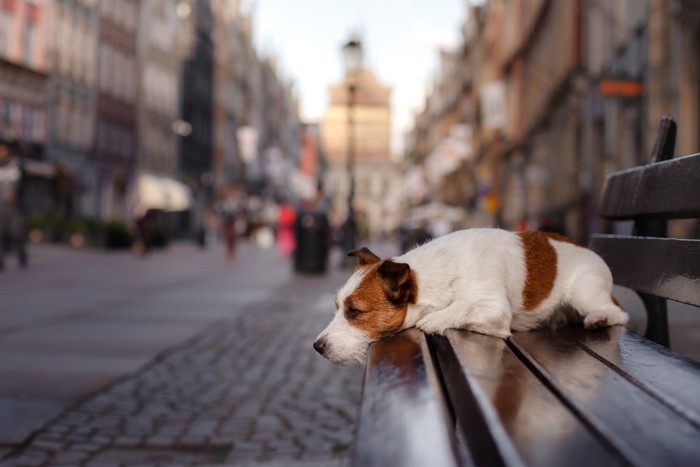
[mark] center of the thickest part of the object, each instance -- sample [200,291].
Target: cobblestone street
[246,390]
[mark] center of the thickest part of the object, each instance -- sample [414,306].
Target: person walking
[228,208]
[12,229]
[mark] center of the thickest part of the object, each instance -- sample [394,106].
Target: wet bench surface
[554,397]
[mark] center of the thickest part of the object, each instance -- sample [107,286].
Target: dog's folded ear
[366,256]
[399,283]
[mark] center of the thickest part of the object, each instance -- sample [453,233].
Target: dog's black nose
[320,346]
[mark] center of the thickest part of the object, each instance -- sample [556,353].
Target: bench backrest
[649,262]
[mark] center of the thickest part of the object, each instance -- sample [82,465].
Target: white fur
[473,279]
[349,344]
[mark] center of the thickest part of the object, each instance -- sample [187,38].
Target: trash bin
[312,233]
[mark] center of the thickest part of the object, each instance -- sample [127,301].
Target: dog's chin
[355,357]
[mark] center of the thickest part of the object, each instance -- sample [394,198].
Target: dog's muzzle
[321,346]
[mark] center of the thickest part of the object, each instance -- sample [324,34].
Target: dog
[489,281]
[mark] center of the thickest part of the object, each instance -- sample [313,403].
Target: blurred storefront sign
[493,105]
[621,88]
[167,194]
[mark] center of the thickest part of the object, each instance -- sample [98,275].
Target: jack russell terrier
[484,280]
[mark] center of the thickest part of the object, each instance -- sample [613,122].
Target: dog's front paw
[433,325]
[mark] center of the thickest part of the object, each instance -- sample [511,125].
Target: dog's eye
[353,313]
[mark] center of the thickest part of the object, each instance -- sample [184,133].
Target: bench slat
[514,405]
[669,189]
[669,377]
[644,430]
[665,267]
[403,418]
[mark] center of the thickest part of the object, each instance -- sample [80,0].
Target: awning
[167,194]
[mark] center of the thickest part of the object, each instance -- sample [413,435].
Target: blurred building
[546,98]
[674,68]
[24,64]
[117,85]
[312,164]
[23,75]
[162,45]
[122,110]
[160,54]
[376,174]
[72,97]
[228,108]
[196,157]
[281,135]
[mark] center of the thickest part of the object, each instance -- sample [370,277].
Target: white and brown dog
[485,280]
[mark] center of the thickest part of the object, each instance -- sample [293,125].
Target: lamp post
[352,58]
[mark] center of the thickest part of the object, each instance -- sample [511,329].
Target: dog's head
[372,304]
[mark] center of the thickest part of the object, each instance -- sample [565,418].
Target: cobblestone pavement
[248,391]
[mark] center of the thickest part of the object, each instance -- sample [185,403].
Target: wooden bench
[561,397]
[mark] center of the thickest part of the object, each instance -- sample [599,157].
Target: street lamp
[352,58]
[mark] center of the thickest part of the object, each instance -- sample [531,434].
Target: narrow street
[176,358]
[181,358]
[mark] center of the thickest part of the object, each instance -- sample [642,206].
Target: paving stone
[251,388]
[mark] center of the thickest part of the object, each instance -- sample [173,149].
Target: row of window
[74,123]
[28,122]
[115,139]
[159,149]
[74,44]
[160,89]
[117,73]
[123,13]
[26,29]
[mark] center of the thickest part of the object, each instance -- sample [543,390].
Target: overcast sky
[401,39]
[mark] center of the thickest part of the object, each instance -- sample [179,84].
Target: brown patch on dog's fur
[614,300]
[541,266]
[381,312]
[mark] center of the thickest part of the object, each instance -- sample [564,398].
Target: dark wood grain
[508,415]
[669,189]
[668,268]
[645,430]
[670,378]
[403,418]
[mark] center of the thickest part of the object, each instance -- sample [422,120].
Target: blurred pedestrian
[140,227]
[286,238]
[12,229]
[229,208]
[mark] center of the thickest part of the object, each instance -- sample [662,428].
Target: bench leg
[657,319]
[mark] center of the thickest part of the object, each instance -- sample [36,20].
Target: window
[5,31]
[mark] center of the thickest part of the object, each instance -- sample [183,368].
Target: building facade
[24,75]
[117,84]
[555,95]
[361,130]
[196,148]
[227,165]
[72,94]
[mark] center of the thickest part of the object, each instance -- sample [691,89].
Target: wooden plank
[670,378]
[506,411]
[403,417]
[670,189]
[665,267]
[643,429]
